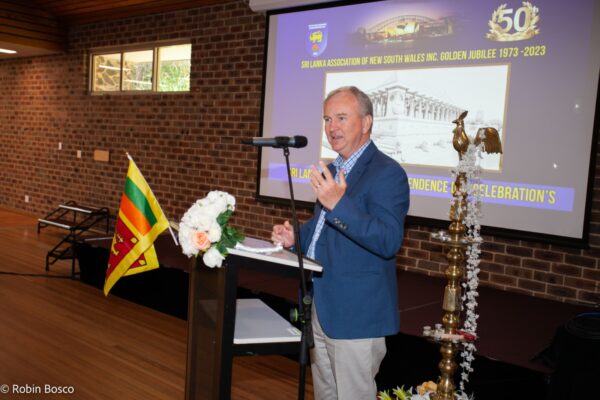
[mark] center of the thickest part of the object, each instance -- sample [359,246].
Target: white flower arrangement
[204,229]
[423,392]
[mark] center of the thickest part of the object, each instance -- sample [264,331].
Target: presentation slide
[528,69]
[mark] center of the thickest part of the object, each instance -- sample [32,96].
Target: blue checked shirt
[339,164]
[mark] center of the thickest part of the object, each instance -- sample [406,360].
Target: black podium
[220,326]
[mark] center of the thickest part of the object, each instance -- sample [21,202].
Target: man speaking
[355,233]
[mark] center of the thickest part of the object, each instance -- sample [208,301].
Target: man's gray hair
[364,102]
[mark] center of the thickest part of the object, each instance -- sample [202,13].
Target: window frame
[121,50]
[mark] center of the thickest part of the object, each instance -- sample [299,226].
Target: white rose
[214,195]
[230,202]
[214,232]
[185,238]
[201,221]
[211,211]
[220,204]
[189,214]
[211,195]
[213,258]
[202,202]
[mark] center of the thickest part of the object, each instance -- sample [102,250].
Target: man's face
[346,130]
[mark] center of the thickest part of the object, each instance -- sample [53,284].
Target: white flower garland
[469,166]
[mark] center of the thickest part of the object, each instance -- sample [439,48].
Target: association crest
[316,39]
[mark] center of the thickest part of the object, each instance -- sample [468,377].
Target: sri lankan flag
[139,223]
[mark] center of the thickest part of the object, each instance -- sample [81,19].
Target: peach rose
[200,240]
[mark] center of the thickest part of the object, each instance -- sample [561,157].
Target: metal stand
[457,241]
[307,340]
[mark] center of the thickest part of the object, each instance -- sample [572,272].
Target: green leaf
[401,394]
[222,248]
[224,217]
[239,237]
[227,242]
[385,395]
[229,231]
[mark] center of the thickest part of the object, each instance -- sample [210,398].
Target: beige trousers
[344,369]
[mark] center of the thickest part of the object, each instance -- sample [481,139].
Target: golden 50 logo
[510,25]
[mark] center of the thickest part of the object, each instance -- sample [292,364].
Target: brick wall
[187,144]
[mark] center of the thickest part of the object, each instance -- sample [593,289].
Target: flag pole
[170,230]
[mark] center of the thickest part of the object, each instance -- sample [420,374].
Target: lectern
[220,326]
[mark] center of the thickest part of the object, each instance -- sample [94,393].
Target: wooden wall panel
[85,11]
[41,25]
[30,26]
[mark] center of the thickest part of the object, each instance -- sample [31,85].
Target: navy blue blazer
[357,296]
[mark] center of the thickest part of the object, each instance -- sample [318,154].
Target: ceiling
[38,27]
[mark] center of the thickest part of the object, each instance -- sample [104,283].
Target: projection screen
[528,69]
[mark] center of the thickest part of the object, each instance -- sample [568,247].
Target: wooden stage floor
[58,331]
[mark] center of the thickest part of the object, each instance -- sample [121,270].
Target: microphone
[278,141]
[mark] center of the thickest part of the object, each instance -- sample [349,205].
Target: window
[107,72]
[174,63]
[150,69]
[137,70]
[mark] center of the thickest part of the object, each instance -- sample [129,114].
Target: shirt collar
[347,165]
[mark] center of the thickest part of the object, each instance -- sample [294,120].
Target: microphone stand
[306,339]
